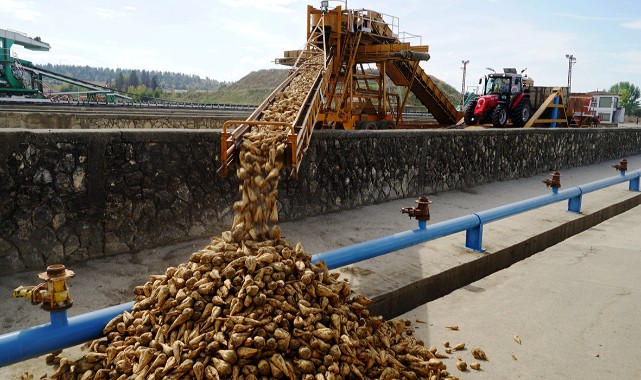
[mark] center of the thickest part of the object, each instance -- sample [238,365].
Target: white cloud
[275,6]
[632,24]
[106,13]
[22,10]
[577,16]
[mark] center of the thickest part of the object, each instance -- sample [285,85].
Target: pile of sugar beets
[250,306]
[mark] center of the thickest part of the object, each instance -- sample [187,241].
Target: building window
[605,102]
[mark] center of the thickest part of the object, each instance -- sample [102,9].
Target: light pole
[571,61]
[463,85]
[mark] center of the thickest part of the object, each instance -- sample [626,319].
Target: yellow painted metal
[537,119]
[548,121]
[345,93]
[53,292]
[358,37]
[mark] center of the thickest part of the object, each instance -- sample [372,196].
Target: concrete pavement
[575,307]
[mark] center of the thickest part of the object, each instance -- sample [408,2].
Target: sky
[227,39]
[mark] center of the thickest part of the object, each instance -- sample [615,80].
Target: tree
[133,79]
[629,96]
[144,78]
[120,81]
[154,83]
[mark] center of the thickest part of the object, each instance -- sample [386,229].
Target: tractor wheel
[521,113]
[369,125]
[468,114]
[499,116]
[366,125]
[385,124]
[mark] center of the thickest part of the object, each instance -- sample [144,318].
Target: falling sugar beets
[251,306]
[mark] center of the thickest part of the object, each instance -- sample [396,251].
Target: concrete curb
[408,297]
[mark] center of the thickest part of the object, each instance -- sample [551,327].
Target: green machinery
[15,78]
[20,78]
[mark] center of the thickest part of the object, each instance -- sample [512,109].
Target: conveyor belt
[77,82]
[409,73]
[401,72]
[300,131]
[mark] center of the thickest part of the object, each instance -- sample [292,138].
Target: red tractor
[506,95]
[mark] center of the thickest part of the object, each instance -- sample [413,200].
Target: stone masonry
[71,195]
[70,120]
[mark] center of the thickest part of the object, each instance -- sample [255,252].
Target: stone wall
[67,196]
[111,119]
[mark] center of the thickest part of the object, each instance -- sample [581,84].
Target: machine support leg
[474,238]
[634,184]
[574,204]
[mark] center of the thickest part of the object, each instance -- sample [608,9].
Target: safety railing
[62,332]
[472,224]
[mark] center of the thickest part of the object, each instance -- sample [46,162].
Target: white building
[606,106]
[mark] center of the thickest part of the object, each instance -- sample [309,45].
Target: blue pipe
[58,334]
[501,212]
[574,204]
[63,332]
[474,236]
[601,184]
[472,224]
[362,251]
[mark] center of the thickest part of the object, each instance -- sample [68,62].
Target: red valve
[623,165]
[555,182]
[420,212]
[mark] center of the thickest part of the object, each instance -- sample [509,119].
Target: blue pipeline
[58,334]
[63,332]
[472,224]
[511,209]
[362,251]
[601,184]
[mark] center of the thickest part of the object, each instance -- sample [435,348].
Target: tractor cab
[504,97]
[504,84]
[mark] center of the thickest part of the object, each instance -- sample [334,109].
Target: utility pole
[571,61]
[463,85]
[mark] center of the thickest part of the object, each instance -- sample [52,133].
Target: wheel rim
[503,116]
[525,115]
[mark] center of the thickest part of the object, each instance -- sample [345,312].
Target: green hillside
[252,89]
[256,86]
